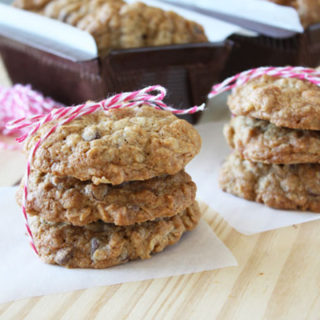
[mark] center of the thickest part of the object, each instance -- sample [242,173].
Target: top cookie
[284,102]
[134,143]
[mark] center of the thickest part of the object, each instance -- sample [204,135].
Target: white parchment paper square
[245,216]
[22,274]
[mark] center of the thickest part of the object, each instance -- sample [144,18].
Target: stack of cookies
[116,24]
[110,187]
[275,135]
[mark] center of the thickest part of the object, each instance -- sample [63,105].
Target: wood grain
[278,277]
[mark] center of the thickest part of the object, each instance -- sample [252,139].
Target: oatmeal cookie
[134,143]
[260,140]
[66,199]
[286,102]
[292,187]
[138,25]
[102,245]
[155,27]
[115,24]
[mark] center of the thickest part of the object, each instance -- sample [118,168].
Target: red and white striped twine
[152,96]
[239,79]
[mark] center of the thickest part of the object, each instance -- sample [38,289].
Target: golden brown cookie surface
[134,143]
[260,140]
[286,102]
[66,199]
[294,187]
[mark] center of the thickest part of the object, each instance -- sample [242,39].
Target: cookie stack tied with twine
[274,132]
[106,183]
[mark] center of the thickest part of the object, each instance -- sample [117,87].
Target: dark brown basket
[187,71]
[250,52]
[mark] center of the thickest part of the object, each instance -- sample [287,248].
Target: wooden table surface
[278,277]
